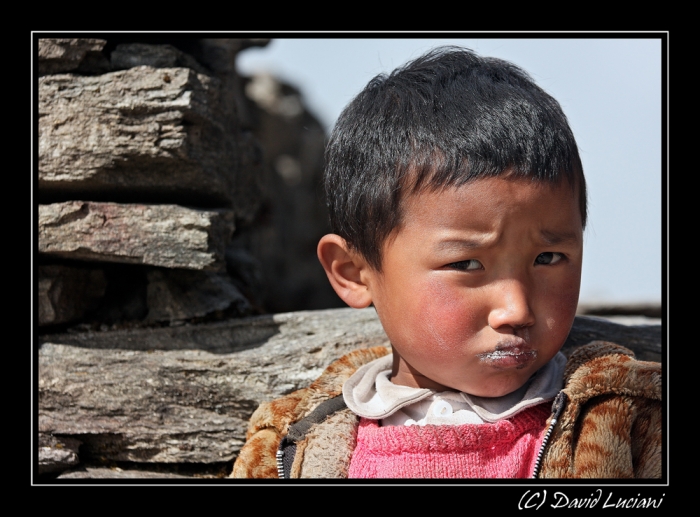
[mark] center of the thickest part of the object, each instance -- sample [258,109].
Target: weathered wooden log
[184,394]
[157,133]
[159,235]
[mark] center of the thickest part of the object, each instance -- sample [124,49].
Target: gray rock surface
[176,294]
[649,310]
[118,473]
[57,454]
[65,54]
[130,55]
[643,340]
[284,240]
[148,132]
[159,235]
[67,293]
[184,394]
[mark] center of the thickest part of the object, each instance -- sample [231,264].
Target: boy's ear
[345,270]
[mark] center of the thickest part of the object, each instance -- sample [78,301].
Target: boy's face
[479,285]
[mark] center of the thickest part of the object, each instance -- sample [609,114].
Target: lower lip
[508,358]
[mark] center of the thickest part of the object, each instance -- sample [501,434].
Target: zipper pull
[558,405]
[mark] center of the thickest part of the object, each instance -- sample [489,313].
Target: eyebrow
[553,238]
[461,244]
[550,238]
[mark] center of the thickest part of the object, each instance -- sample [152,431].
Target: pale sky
[610,90]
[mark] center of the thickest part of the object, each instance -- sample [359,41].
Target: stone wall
[171,192]
[166,192]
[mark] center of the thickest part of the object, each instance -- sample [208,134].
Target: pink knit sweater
[505,449]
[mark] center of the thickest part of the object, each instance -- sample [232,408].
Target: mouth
[511,353]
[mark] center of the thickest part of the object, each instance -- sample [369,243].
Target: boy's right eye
[465,265]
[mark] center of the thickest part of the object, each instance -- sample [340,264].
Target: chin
[497,391]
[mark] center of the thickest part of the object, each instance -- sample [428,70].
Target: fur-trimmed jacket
[605,423]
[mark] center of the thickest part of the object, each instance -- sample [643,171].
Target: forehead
[501,200]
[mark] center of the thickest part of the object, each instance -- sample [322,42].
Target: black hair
[446,118]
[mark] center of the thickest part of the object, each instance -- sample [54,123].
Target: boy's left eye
[466,265]
[548,258]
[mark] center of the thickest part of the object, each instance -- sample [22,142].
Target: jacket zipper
[280,463]
[298,430]
[557,408]
[286,446]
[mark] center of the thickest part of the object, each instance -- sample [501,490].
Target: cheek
[448,314]
[562,305]
[570,291]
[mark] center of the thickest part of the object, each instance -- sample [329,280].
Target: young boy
[458,203]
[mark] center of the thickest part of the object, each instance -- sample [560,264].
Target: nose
[511,306]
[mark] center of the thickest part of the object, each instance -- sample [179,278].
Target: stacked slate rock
[167,195]
[160,206]
[144,175]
